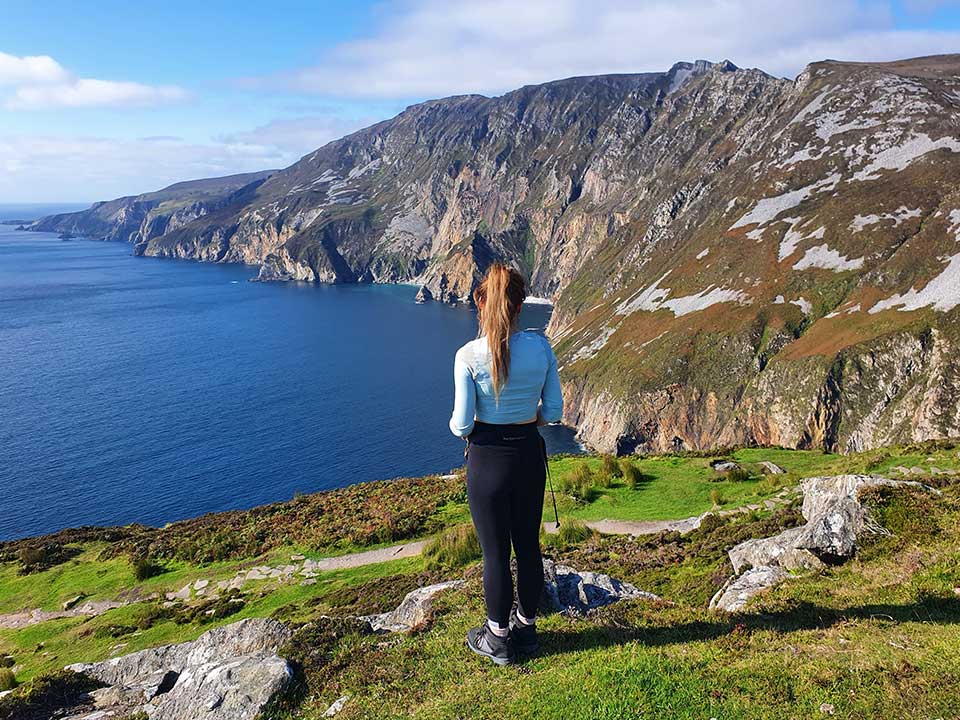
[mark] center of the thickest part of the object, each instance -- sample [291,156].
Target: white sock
[497,630]
[524,620]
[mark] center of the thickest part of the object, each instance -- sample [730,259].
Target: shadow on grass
[804,616]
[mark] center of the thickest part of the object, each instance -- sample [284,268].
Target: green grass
[570,532]
[670,488]
[48,646]
[454,547]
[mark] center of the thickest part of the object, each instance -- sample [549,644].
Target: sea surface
[148,390]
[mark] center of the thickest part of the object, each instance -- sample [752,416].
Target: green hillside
[878,636]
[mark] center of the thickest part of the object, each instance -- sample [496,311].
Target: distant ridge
[734,258]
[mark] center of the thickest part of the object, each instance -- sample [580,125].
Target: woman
[506,384]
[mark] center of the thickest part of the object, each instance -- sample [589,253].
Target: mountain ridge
[735,258]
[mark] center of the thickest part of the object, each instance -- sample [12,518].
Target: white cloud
[428,48]
[85,92]
[299,135]
[35,168]
[30,70]
[56,169]
[41,83]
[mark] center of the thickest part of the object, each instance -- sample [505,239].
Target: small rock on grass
[336,706]
[68,604]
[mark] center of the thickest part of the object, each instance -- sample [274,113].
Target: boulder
[724,466]
[836,519]
[779,550]
[228,673]
[72,602]
[412,611]
[569,590]
[736,593]
[770,468]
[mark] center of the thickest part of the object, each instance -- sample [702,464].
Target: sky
[107,98]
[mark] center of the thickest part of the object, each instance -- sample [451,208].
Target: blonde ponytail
[501,295]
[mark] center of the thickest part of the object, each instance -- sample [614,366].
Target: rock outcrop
[413,610]
[835,521]
[735,258]
[573,591]
[229,673]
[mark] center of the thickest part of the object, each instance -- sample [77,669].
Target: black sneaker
[484,642]
[524,636]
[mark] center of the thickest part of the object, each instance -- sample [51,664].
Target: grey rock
[181,594]
[771,468]
[724,466]
[68,604]
[230,672]
[336,706]
[569,590]
[737,592]
[836,519]
[777,550]
[412,611]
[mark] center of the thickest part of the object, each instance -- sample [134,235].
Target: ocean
[148,390]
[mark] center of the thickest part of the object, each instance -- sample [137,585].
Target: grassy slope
[675,660]
[70,640]
[876,637]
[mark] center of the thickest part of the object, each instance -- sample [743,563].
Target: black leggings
[506,475]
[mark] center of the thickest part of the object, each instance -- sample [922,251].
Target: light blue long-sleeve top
[532,382]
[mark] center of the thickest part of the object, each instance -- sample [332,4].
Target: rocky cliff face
[734,258]
[140,218]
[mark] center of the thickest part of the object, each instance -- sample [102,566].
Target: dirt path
[16,621]
[369,557]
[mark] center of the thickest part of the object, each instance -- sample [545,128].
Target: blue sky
[104,98]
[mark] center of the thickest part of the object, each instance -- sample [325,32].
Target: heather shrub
[144,569]
[737,474]
[611,467]
[716,497]
[631,474]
